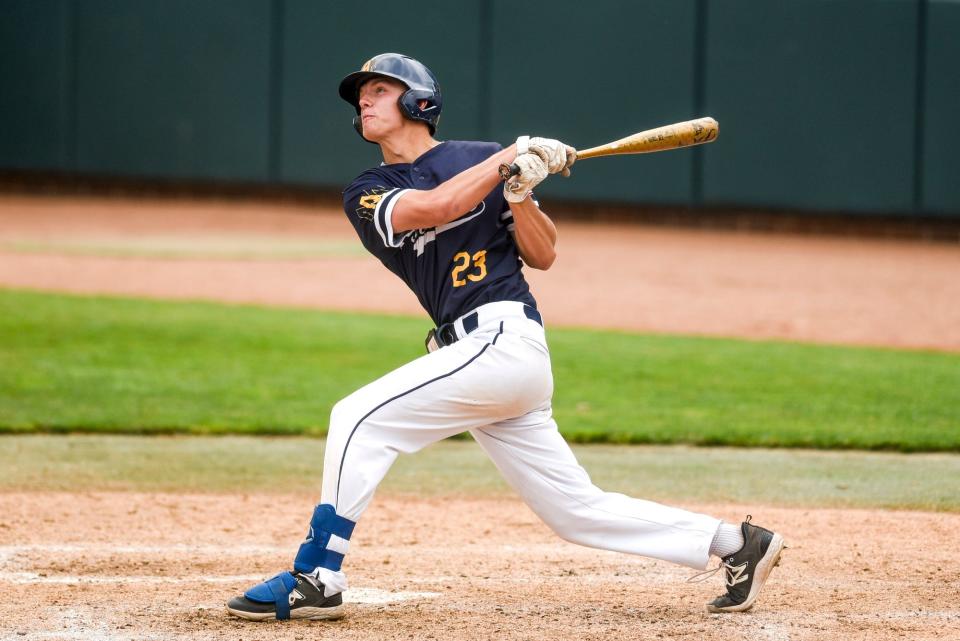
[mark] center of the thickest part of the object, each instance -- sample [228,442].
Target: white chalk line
[373,596]
[355,596]
[360,596]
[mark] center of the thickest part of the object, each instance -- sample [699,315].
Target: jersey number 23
[475,267]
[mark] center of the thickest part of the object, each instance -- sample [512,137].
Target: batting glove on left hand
[533,170]
[558,156]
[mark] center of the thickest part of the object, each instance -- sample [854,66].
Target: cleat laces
[700,577]
[733,574]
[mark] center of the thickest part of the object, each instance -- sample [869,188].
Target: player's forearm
[421,209]
[534,233]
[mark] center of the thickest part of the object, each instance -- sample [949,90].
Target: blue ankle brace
[313,552]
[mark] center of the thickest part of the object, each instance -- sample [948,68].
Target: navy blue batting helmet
[420,81]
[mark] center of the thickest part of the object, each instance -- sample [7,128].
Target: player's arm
[534,233]
[422,209]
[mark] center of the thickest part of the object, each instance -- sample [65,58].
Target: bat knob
[508,171]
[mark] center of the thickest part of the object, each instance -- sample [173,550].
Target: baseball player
[436,215]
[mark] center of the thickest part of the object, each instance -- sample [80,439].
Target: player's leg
[534,458]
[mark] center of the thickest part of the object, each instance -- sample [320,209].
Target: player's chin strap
[327,541]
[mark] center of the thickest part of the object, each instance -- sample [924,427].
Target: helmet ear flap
[410,107]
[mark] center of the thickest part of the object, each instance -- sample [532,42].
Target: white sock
[727,540]
[333,581]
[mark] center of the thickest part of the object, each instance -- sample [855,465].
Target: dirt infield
[834,290]
[130,566]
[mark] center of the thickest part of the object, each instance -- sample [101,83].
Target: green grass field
[671,474]
[71,363]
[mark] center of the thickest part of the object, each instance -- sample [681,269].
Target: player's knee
[564,530]
[570,526]
[345,415]
[339,417]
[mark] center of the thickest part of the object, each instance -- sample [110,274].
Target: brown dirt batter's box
[148,566]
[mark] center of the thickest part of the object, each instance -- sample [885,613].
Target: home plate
[372,596]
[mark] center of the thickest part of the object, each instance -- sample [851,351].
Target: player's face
[379,111]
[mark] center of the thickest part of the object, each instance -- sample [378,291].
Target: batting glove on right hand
[533,170]
[558,156]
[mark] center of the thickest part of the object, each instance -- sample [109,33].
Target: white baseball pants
[496,383]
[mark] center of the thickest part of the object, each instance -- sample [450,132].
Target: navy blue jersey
[452,268]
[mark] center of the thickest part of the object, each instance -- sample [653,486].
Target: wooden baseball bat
[675,136]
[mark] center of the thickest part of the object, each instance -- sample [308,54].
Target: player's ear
[422,104]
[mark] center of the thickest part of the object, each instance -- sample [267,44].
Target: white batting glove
[532,172]
[558,156]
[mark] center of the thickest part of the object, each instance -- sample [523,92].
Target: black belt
[446,334]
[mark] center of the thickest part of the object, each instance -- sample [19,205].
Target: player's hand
[558,156]
[533,170]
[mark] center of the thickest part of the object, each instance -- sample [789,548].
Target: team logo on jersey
[368,202]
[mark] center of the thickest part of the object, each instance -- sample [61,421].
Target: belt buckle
[447,334]
[441,336]
[432,343]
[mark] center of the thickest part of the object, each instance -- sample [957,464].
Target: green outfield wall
[37,79]
[816,100]
[939,130]
[595,72]
[177,88]
[825,105]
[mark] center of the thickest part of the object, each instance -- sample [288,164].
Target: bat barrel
[681,134]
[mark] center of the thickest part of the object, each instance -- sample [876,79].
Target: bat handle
[508,171]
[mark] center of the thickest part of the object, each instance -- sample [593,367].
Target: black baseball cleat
[747,569]
[287,596]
